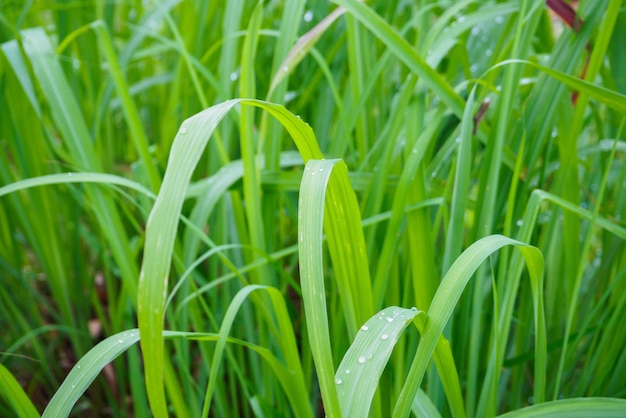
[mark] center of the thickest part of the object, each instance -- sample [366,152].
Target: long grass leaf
[447,297]
[13,393]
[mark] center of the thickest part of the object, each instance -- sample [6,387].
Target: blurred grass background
[455,120]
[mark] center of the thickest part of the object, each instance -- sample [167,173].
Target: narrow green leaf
[310,231]
[446,298]
[86,370]
[612,99]
[302,47]
[572,408]
[405,53]
[360,370]
[13,393]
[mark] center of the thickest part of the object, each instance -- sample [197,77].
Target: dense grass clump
[307,208]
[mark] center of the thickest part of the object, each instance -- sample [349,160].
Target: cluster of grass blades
[341,208]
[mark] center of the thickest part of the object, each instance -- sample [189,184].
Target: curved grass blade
[423,407]
[191,140]
[161,229]
[13,393]
[322,191]
[610,98]
[572,408]
[90,365]
[304,44]
[446,298]
[405,53]
[67,178]
[296,387]
[310,231]
[359,372]
[86,370]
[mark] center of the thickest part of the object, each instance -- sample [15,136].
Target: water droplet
[414,309]
[499,19]
[120,341]
[285,69]
[364,328]
[389,319]
[475,31]
[321,169]
[384,337]
[488,52]
[73,386]
[338,381]
[361,359]
[183,131]
[308,16]
[519,222]
[347,371]
[313,173]
[234,76]
[78,366]
[461,19]
[474,68]
[69,174]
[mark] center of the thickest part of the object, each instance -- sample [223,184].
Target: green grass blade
[405,53]
[446,299]
[296,389]
[13,393]
[161,229]
[310,227]
[302,47]
[68,178]
[610,98]
[358,375]
[86,370]
[187,149]
[572,408]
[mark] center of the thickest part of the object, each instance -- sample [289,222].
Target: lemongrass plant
[310,208]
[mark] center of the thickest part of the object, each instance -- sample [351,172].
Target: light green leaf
[446,299]
[360,370]
[572,408]
[13,393]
